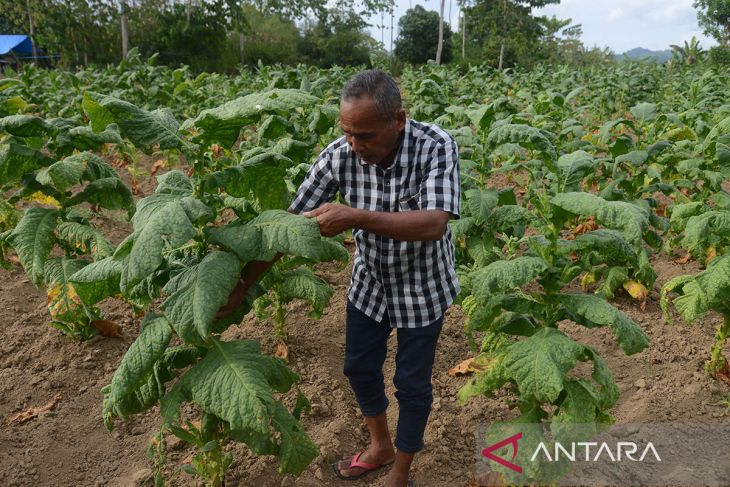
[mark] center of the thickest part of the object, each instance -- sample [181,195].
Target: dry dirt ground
[68,445]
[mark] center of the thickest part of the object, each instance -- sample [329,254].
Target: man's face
[370,136]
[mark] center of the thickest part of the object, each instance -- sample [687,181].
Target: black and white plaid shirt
[415,281]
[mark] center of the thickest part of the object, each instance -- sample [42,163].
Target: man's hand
[333,219]
[237,296]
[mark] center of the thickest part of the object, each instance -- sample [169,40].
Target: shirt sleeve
[319,186]
[440,186]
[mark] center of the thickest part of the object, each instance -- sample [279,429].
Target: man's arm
[407,225]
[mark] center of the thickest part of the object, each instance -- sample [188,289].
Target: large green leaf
[84,239]
[243,240]
[481,202]
[197,293]
[630,219]
[708,290]
[524,135]
[503,275]
[702,229]
[98,280]
[160,223]
[33,239]
[25,126]
[144,129]
[573,168]
[63,174]
[594,311]
[223,124]
[236,383]
[85,138]
[304,284]
[291,234]
[539,363]
[108,192]
[139,381]
[138,363]
[644,112]
[17,159]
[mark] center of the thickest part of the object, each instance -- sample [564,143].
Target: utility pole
[463,33]
[441,33]
[504,34]
[32,31]
[125,29]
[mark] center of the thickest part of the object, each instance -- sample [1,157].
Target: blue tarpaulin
[19,44]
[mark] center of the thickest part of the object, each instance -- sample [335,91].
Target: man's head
[372,116]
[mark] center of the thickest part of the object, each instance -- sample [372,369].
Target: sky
[618,24]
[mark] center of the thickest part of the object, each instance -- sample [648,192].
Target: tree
[338,38]
[417,40]
[714,17]
[505,33]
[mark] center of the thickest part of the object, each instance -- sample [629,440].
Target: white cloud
[614,15]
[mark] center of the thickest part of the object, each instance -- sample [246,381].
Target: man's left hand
[333,218]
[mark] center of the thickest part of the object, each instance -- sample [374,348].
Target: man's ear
[400,119]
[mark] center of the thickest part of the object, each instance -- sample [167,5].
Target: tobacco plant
[698,294]
[187,251]
[66,189]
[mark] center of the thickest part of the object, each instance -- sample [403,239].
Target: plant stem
[716,358]
[279,317]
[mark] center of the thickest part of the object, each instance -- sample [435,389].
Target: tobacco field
[593,252]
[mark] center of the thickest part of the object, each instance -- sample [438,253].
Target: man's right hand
[237,296]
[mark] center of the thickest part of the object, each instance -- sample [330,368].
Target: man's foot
[364,463]
[397,479]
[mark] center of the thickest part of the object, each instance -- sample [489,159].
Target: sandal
[357,463]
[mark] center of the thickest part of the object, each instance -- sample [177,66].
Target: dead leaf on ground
[31,413]
[466,367]
[159,164]
[107,328]
[683,260]
[282,351]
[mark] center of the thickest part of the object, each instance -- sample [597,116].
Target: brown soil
[68,445]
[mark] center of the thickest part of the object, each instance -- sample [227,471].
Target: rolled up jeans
[365,350]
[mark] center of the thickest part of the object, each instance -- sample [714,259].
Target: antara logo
[623,449]
[512,440]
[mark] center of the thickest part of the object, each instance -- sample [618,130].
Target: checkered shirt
[414,281]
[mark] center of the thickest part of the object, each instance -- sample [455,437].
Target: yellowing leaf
[44,199]
[710,254]
[637,291]
[587,279]
[63,302]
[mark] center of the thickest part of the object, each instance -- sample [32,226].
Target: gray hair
[380,87]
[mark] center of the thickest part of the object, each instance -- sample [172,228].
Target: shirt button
[387,182]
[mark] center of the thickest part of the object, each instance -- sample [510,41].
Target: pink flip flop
[357,463]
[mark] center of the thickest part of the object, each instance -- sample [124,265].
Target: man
[400,179]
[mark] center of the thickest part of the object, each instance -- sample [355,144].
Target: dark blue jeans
[366,343]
